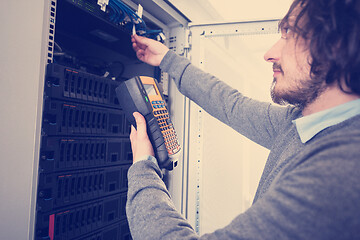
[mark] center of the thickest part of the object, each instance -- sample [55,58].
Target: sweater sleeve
[149,209]
[258,121]
[315,197]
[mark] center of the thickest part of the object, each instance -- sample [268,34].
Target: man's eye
[285,32]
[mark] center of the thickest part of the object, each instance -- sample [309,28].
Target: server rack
[84,157]
[85,149]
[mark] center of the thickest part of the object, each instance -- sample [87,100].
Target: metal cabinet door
[225,167]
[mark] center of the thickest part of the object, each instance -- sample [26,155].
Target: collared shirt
[311,125]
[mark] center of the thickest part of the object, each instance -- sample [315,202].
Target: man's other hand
[148,50]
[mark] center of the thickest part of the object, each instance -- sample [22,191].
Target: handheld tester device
[141,94]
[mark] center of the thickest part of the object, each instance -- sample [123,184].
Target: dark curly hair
[332,28]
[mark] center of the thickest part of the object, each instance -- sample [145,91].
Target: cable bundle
[122,15]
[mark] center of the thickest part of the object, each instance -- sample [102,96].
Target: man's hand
[148,50]
[140,143]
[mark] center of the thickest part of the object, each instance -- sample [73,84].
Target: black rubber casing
[132,95]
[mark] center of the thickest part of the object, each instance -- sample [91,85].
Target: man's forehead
[291,19]
[287,21]
[292,15]
[294,11]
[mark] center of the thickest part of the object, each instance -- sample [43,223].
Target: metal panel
[179,108]
[24,50]
[224,167]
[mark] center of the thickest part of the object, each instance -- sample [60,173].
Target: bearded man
[309,188]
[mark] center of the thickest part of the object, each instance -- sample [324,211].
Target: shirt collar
[311,125]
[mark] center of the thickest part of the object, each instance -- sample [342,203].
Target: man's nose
[274,53]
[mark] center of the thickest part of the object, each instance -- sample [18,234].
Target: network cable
[121,14]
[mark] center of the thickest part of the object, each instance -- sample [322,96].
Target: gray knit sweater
[307,191]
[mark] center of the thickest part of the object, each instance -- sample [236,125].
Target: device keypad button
[162,117]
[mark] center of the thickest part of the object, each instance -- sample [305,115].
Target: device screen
[150,89]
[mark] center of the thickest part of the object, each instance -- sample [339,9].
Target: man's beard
[301,95]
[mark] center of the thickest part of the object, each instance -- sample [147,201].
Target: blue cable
[118,15]
[121,11]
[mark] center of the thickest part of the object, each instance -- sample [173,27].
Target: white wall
[205,11]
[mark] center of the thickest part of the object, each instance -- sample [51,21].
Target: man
[309,188]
